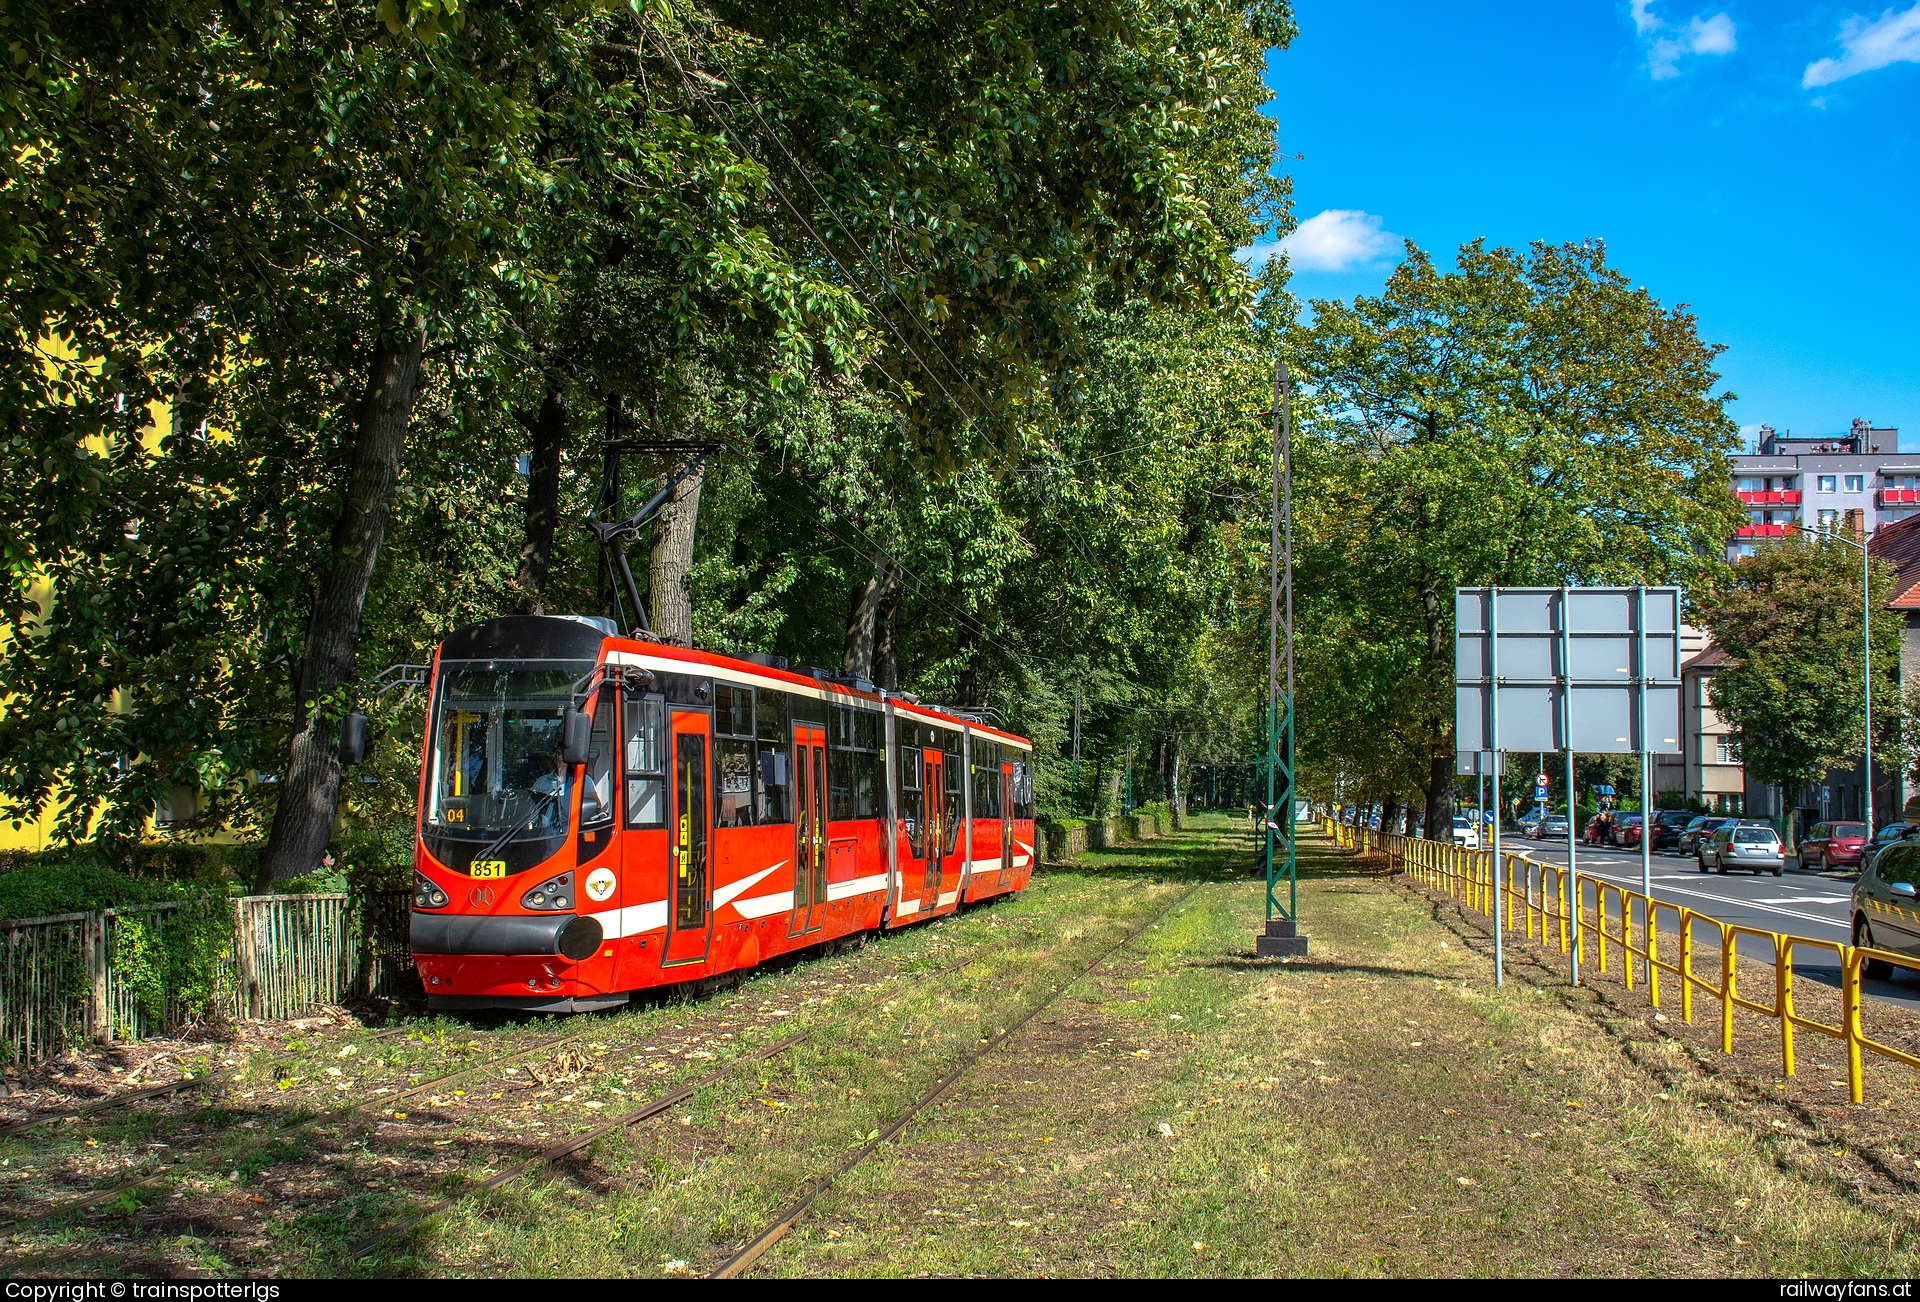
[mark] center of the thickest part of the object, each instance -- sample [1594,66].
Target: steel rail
[747,1257]
[651,1108]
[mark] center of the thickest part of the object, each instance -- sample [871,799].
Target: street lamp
[1866,641]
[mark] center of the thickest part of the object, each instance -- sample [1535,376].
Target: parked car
[1738,844]
[1465,833]
[1668,824]
[1551,828]
[1527,822]
[1699,830]
[1626,830]
[1833,845]
[1889,834]
[1886,912]
[1609,828]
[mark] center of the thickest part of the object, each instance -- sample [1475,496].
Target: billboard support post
[1571,669]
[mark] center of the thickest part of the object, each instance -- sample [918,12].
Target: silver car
[1755,847]
[1886,910]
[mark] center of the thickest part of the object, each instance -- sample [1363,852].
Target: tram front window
[497,750]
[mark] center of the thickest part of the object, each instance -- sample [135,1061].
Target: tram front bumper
[567,935]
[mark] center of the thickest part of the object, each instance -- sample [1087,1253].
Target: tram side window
[870,771]
[912,798]
[596,793]
[1022,787]
[840,760]
[646,755]
[986,779]
[773,730]
[733,756]
[953,775]
[732,710]
[855,763]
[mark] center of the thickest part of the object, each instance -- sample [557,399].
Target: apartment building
[1793,482]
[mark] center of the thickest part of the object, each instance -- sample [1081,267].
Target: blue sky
[1753,160]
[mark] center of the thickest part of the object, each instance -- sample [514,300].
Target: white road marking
[1619,878]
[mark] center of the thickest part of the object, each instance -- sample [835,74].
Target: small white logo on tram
[600,884]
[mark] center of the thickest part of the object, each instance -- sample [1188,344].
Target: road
[1809,904]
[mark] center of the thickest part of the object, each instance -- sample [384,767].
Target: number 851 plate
[488,868]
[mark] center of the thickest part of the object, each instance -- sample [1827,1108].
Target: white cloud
[1338,239]
[1866,46]
[1713,35]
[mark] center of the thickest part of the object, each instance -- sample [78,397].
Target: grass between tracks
[1184,1109]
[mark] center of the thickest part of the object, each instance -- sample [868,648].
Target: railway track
[743,1260]
[95,1198]
[651,1108]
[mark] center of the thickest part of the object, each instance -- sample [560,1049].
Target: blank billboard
[1596,670]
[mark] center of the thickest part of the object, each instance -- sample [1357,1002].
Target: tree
[1789,619]
[1525,418]
[290,291]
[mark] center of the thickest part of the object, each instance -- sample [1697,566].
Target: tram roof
[652,655]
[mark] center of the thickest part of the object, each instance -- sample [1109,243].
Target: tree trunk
[1440,795]
[543,499]
[670,584]
[1389,810]
[1110,794]
[303,820]
[1178,800]
[864,616]
[1441,758]
[969,686]
[886,659]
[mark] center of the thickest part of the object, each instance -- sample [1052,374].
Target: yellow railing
[1627,930]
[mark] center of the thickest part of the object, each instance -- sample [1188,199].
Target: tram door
[1006,818]
[932,785]
[809,828]
[689,853]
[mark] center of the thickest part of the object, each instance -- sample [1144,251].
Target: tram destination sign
[1595,670]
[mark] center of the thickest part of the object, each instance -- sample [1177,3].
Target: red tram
[600,814]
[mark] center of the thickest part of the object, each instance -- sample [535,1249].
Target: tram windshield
[497,750]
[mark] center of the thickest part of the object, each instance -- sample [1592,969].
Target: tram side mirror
[353,738]
[577,738]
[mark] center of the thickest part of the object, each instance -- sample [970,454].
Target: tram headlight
[553,893]
[426,895]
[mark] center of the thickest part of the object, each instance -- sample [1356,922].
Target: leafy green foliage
[1526,418]
[956,281]
[1789,619]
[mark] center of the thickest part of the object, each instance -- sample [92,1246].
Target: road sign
[1488,815]
[1595,670]
[1540,787]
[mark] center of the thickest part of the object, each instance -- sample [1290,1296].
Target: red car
[1620,830]
[1833,845]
